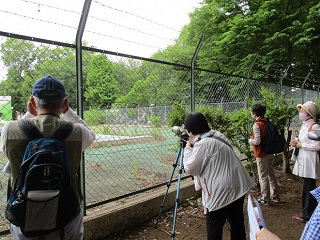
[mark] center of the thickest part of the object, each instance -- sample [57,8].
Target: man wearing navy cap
[47,103]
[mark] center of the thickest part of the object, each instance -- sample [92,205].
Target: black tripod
[183,141]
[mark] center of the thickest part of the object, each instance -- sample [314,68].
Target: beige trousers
[268,181]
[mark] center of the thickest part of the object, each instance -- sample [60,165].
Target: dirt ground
[190,223]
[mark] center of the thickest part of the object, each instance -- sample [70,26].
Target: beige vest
[15,142]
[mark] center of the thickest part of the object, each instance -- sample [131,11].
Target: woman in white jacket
[221,175]
[307,164]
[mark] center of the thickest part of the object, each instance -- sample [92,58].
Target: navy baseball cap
[48,88]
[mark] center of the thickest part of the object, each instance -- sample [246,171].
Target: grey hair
[48,104]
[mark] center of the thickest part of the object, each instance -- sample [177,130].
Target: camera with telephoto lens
[184,137]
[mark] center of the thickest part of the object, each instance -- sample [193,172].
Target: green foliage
[155,84]
[156,121]
[156,133]
[282,33]
[176,118]
[216,118]
[26,63]
[239,131]
[107,130]
[135,170]
[280,110]
[94,117]
[101,87]
[139,95]
[234,125]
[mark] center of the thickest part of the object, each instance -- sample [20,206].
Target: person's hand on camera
[190,144]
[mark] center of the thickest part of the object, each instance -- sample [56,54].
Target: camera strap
[219,139]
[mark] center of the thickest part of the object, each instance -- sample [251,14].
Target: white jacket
[307,163]
[222,176]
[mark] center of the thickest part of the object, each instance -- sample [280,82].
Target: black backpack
[43,199]
[272,142]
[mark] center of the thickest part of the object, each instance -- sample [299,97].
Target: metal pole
[192,72]
[82,23]
[285,72]
[248,77]
[168,185]
[302,87]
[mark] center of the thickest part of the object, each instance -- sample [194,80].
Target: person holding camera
[210,158]
[307,165]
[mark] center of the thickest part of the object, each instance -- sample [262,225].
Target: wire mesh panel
[127,102]
[134,147]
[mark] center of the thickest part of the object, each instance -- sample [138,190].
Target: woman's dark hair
[196,123]
[258,109]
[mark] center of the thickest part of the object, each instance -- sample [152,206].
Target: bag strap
[63,131]
[30,129]
[311,125]
[219,139]
[33,132]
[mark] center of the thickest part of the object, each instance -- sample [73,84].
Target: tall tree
[18,56]
[101,87]
[282,33]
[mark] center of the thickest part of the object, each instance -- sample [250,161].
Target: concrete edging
[129,213]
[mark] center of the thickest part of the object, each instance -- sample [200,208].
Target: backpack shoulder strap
[29,129]
[311,126]
[261,121]
[219,139]
[63,131]
[33,132]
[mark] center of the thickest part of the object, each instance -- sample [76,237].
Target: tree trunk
[285,158]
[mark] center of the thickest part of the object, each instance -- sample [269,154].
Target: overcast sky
[136,27]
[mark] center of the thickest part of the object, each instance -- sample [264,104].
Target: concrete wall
[132,212]
[116,217]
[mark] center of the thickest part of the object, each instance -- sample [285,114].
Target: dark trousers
[234,214]
[309,203]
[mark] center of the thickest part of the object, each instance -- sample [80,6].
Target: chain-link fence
[127,102]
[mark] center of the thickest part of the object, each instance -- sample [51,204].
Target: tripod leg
[168,186]
[173,233]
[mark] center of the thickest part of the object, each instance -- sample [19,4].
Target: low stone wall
[121,141]
[129,213]
[122,215]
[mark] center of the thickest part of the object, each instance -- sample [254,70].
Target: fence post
[248,77]
[285,72]
[82,23]
[192,72]
[302,87]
